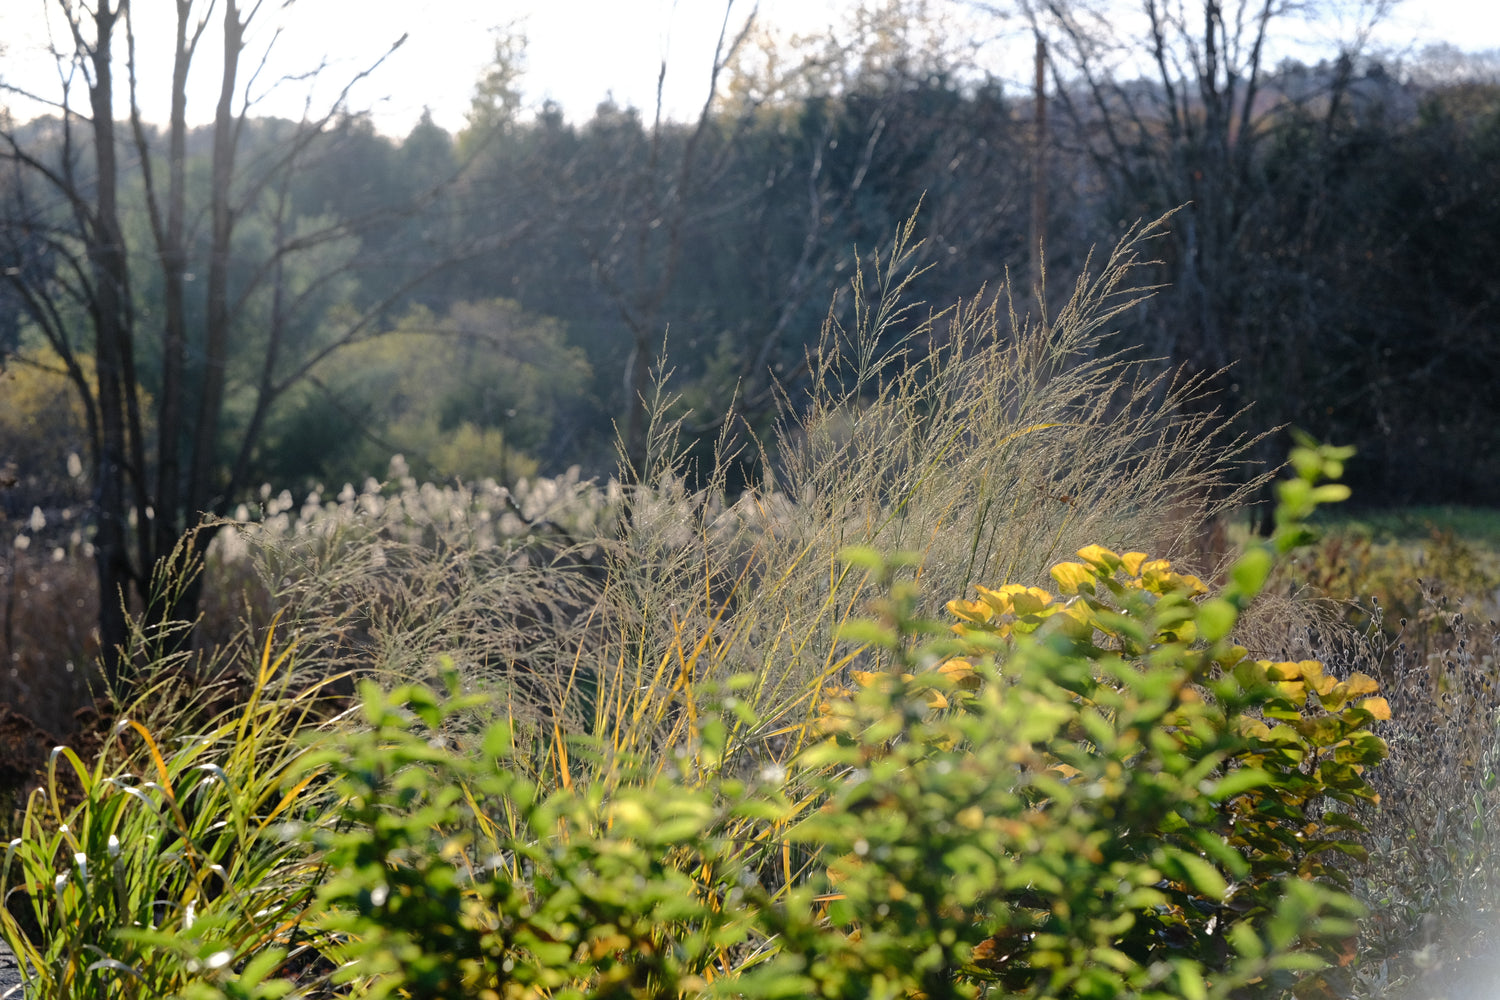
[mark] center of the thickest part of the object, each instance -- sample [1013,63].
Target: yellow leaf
[1378,707]
[1253,727]
[1029,600]
[1132,562]
[608,944]
[1101,558]
[974,611]
[1157,577]
[1288,670]
[1078,622]
[936,699]
[1072,577]
[996,600]
[628,814]
[1359,684]
[1231,656]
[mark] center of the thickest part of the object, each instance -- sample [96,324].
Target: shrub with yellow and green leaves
[1168,796]
[1093,794]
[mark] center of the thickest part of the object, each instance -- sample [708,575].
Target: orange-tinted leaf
[961,672]
[872,678]
[974,611]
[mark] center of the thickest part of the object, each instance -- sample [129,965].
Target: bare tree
[1171,100]
[163,472]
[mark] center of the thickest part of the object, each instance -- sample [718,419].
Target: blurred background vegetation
[1334,247]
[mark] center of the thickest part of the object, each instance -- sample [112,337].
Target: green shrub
[485,390]
[453,875]
[1098,797]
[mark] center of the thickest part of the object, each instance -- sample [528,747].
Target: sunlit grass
[165,859]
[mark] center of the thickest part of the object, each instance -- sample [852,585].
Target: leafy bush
[1101,797]
[452,874]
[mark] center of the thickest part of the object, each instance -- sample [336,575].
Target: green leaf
[1331,493]
[863,557]
[864,631]
[1251,570]
[1190,981]
[1237,782]
[498,740]
[1216,617]
[1203,876]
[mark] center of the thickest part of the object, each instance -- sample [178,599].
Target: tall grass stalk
[988,442]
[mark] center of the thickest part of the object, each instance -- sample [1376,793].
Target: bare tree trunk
[89,273]
[111,331]
[160,536]
[216,339]
[1039,172]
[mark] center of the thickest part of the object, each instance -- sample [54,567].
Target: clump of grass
[160,859]
[988,442]
[387,580]
[1434,875]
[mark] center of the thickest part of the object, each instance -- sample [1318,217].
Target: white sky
[578,51]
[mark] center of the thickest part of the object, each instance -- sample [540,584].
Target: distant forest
[494,303]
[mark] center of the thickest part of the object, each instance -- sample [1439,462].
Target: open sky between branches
[579,52]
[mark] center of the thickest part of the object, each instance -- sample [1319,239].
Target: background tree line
[194,311]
